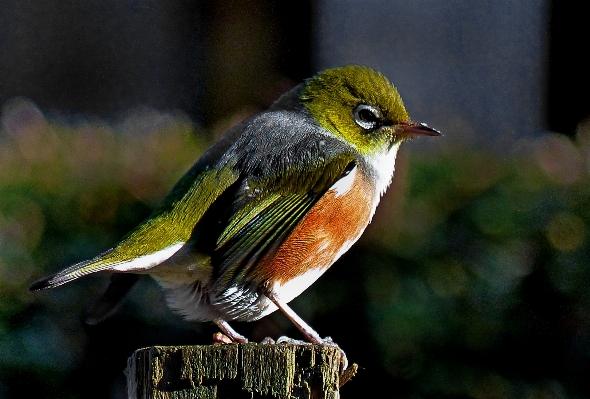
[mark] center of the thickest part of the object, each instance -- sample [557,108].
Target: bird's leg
[308,332]
[229,332]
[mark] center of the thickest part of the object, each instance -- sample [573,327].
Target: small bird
[268,208]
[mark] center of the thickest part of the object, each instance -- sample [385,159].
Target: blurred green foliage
[471,282]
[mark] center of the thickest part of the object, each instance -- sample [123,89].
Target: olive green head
[359,105]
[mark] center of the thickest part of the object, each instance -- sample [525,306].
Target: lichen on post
[236,371]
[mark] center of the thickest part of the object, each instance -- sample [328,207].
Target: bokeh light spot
[566,231]
[560,159]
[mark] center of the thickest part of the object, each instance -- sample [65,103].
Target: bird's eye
[367,116]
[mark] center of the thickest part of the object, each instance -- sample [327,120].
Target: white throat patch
[384,166]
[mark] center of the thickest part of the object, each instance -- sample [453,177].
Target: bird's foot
[285,340]
[343,359]
[221,338]
[308,332]
[322,341]
[268,340]
[229,335]
[292,341]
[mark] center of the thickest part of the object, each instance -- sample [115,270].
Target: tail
[109,302]
[72,273]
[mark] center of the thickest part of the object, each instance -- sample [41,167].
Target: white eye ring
[366,116]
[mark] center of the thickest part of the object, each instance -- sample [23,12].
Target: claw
[292,341]
[343,359]
[325,341]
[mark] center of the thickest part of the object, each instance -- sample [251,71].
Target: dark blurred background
[471,282]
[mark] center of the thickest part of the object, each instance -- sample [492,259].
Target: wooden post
[236,371]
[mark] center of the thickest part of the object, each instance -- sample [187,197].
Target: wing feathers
[259,226]
[160,236]
[237,256]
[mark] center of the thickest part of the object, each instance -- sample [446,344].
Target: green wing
[159,236]
[257,224]
[240,250]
